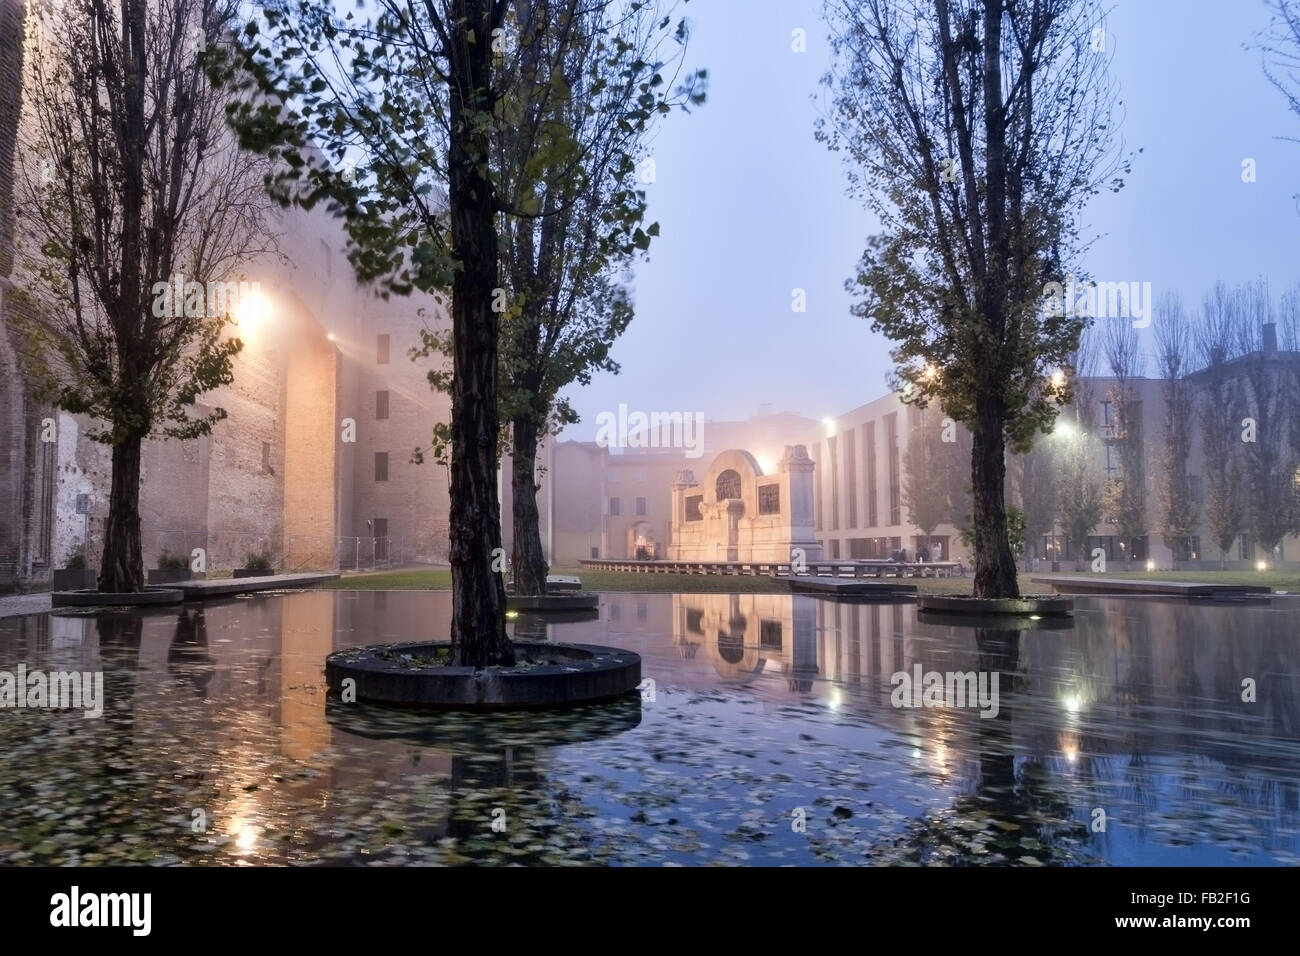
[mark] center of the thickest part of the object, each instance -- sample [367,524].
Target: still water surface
[770,739]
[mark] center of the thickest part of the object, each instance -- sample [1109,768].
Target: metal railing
[226,550]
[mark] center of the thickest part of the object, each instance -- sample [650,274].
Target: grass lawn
[439,579]
[410,579]
[1284,580]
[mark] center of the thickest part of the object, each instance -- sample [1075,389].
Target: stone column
[797,483]
[683,481]
[735,510]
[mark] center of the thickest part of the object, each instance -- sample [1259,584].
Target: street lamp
[252,311]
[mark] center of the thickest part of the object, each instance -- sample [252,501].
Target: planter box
[69,580]
[253,573]
[168,575]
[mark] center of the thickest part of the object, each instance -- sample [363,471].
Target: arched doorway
[641,543]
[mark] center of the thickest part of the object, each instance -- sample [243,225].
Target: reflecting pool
[1149,732]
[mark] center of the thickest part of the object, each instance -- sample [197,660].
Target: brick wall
[12,448]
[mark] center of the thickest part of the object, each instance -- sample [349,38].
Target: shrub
[76,560]
[171,562]
[258,561]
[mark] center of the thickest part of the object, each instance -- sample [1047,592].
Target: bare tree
[1080,495]
[1267,393]
[1177,517]
[1279,46]
[1126,493]
[126,179]
[1039,491]
[1288,317]
[1219,406]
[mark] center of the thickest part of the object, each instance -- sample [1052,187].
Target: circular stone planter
[1046,606]
[90,598]
[568,674]
[570,601]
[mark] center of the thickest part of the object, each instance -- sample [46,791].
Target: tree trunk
[122,567]
[528,559]
[478,626]
[995,567]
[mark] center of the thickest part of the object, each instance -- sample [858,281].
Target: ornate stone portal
[740,514]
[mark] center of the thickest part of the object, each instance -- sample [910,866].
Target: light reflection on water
[218,744]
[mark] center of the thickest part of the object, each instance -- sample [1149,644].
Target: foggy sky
[751,206]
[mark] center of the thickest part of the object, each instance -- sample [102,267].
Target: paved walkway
[16,605]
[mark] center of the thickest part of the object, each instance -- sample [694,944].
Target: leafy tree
[386,115]
[1016,529]
[126,178]
[570,153]
[976,130]
[926,470]
[398,120]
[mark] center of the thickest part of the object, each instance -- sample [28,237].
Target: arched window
[728,485]
[731,647]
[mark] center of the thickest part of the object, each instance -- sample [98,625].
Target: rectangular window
[769,635]
[1108,544]
[851,475]
[615,506]
[42,546]
[1246,548]
[381,405]
[381,349]
[693,508]
[1112,461]
[835,549]
[869,447]
[266,457]
[769,499]
[834,475]
[640,506]
[1110,424]
[381,466]
[895,486]
[595,553]
[1195,489]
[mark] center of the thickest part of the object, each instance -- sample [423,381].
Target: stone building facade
[313,464]
[741,513]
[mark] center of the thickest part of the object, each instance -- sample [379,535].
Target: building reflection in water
[1137,706]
